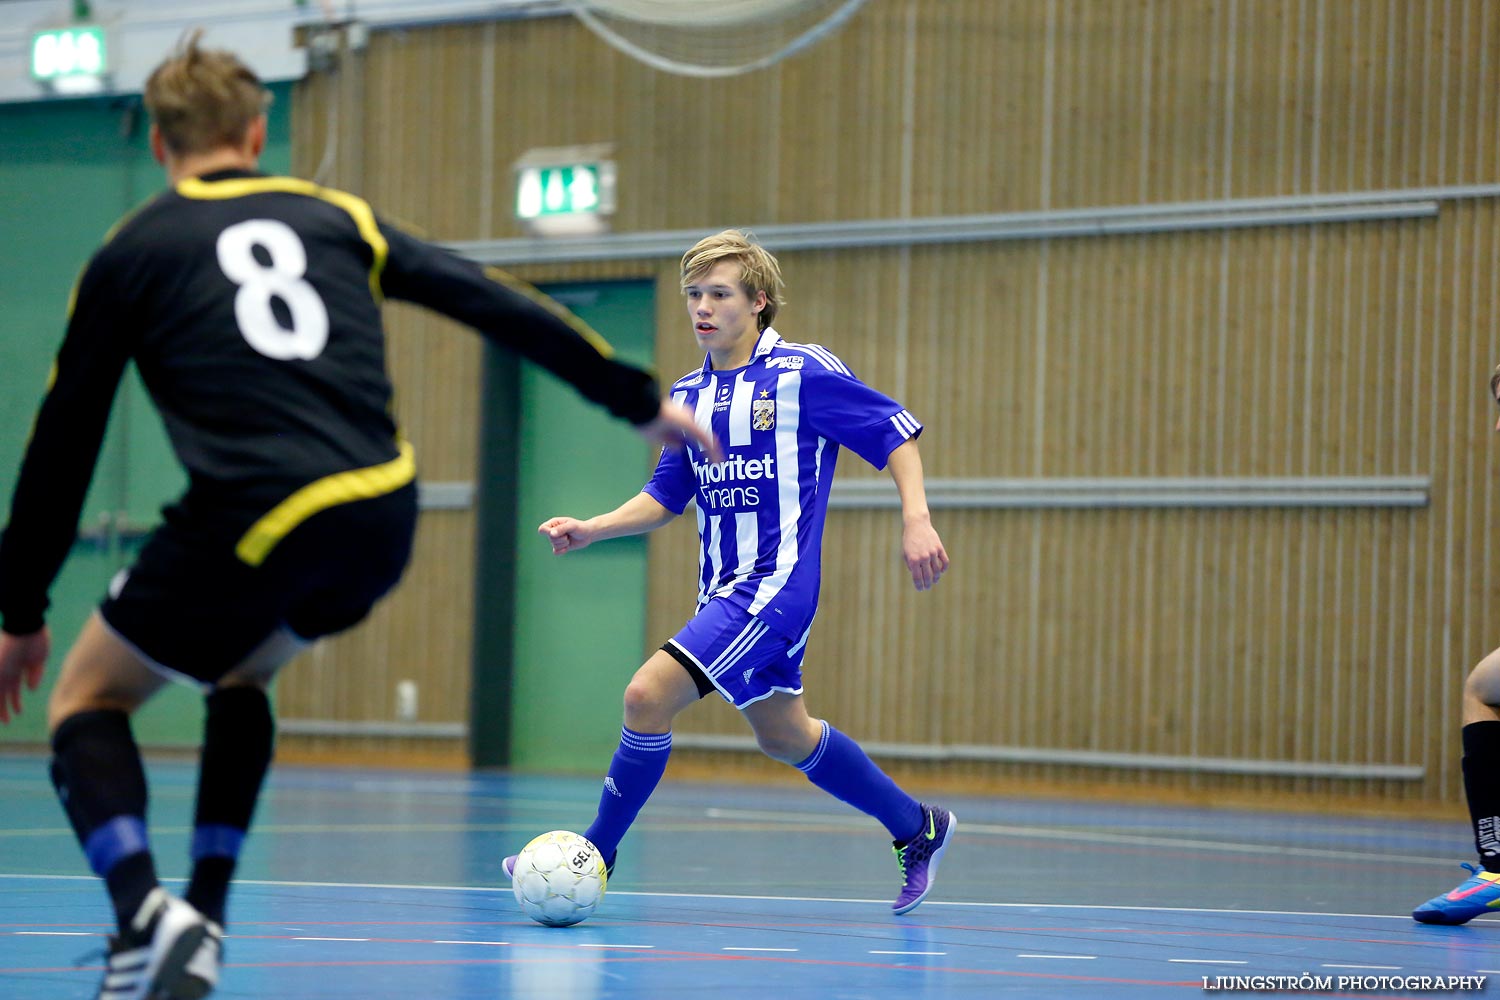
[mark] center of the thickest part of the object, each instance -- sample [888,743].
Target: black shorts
[191,605]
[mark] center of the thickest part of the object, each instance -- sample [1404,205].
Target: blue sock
[633,773]
[843,770]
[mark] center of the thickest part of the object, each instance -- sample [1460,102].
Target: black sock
[238,739]
[1482,786]
[97,771]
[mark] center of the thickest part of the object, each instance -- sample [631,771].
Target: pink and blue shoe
[1475,896]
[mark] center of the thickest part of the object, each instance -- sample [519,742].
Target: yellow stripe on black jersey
[359,209]
[598,343]
[319,495]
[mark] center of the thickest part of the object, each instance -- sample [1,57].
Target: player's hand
[675,425]
[567,534]
[22,658]
[924,553]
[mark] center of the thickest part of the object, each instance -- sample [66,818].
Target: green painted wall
[68,171]
[580,618]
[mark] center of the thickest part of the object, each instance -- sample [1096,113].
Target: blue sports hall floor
[373,885]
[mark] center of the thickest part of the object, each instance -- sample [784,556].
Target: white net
[717,38]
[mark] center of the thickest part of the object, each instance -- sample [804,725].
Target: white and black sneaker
[149,960]
[202,972]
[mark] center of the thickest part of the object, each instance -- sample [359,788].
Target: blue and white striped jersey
[782,418]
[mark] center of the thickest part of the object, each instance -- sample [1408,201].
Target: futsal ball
[559,878]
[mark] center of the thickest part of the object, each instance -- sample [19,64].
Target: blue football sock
[843,770]
[633,774]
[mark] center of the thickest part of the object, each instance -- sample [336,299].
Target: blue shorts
[744,658]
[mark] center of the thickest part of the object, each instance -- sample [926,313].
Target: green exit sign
[74,59]
[565,191]
[562,190]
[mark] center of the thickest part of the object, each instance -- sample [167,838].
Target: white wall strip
[1308,491]
[1102,221]
[341,727]
[445,496]
[877,494]
[1090,758]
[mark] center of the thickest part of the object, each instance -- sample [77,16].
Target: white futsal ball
[559,878]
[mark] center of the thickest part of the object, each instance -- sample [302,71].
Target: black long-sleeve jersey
[251,306]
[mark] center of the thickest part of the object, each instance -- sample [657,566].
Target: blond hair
[759,271]
[202,99]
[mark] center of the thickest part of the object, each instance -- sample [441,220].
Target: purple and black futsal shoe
[919,857]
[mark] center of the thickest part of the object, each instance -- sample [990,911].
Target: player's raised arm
[920,545]
[636,516]
[515,315]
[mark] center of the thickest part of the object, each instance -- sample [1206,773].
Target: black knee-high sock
[97,771]
[238,739]
[1482,787]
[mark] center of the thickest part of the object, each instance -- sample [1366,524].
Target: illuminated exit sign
[565,191]
[71,60]
[560,190]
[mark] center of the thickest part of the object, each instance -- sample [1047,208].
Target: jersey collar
[769,338]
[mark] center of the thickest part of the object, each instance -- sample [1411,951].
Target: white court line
[1330,965]
[1102,837]
[908,953]
[1210,961]
[328,939]
[1081,957]
[53,934]
[931,903]
[758,949]
[617,946]
[473,942]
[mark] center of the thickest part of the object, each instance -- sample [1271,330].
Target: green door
[579,630]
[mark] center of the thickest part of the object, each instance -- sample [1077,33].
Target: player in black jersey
[251,307]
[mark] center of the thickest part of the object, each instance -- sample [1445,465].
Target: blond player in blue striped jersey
[783,411]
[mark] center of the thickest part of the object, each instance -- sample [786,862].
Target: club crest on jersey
[763,414]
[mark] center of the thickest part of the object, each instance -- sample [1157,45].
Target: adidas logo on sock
[609,785]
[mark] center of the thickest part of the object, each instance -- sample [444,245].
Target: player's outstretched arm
[640,514]
[516,316]
[920,545]
[22,659]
